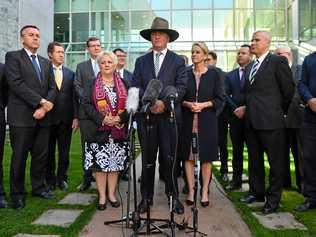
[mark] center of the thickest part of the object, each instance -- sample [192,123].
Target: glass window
[119,26]
[160,5]
[223,25]
[290,25]
[61,27]
[100,25]
[244,3]
[202,4]
[244,24]
[265,20]
[99,5]
[202,25]
[181,21]
[80,27]
[181,4]
[224,4]
[80,5]
[279,31]
[73,59]
[305,20]
[140,4]
[118,5]
[61,6]
[265,4]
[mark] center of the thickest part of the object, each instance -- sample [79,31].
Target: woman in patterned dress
[204,95]
[106,146]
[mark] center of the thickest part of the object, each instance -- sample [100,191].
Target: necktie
[242,79]
[156,63]
[58,77]
[95,68]
[36,67]
[253,71]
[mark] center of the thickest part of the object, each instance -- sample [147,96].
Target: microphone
[132,100]
[170,94]
[151,94]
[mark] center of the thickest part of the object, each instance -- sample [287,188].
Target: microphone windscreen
[132,100]
[152,91]
[170,92]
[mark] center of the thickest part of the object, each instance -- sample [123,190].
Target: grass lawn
[290,200]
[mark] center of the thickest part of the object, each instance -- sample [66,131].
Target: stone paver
[279,221]
[78,199]
[256,204]
[32,235]
[58,217]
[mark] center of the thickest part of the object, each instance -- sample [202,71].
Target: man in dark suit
[307,90]
[294,119]
[31,97]
[235,81]
[169,68]
[124,73]
[269,90]
[64,118]
[3,104]
[86,71]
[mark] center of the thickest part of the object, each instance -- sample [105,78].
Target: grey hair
[107,53]
[285,47]
[266,34]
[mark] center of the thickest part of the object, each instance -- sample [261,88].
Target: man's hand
[312,104]
[75,124]
[111,120]
[240,112]
[158,107]
[47,105]
[39,113]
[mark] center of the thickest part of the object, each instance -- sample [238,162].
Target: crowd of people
[268,104]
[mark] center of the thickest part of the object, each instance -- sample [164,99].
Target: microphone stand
[131,164]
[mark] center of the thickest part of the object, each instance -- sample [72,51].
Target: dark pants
[293,143]
[2,139]
[269,141]
[23,141]
[222,140]
[61,134]
[157,132]
[309,161]
[87,174]
[238,138]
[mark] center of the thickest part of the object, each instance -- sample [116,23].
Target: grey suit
[84,74]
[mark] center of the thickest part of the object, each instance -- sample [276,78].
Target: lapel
[150,59]
[29,64]
[261,68]
[64,81]
[237,79]
[90,68]
[165,62]
[42,65]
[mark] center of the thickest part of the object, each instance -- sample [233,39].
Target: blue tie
[253,71]
[36,67]
[242,79]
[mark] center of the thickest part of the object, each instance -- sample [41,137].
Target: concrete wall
[16,13]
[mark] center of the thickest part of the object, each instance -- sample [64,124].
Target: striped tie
[156,63]
[253,72]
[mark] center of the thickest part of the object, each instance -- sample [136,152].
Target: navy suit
[63,113]
[3,104]
[157,131]
[28,134]
[235,99]
[307,90]
[128,76]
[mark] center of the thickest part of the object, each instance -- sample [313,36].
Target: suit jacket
[235,94]
[26,90]
[84,74]
[128,76]
[66,103]
[3,96]
[269,96]
[172,73]
[294,116]
[307,85]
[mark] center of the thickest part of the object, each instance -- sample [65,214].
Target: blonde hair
[107,53]
[201,45]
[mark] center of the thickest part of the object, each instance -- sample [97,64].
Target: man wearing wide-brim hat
[169,69]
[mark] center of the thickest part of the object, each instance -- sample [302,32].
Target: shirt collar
[263,56]
[29,53]
[163,52]
[55,67]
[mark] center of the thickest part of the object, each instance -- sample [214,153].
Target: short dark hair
[93,38]
[213,54]
[246,46]
[51,45]
[27,26]
[118,50]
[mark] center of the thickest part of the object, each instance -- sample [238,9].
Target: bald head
[260,42]
[284,51]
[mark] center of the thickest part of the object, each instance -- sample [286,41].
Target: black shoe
[307,205]
[44,194]
[189,202]
[205,204]
[233,186]
[142,206]
[178,206]
[185,189]
[124,176]
[62,185]
[101,207]
[85,185]
[18,204]
[114,204]
[269,208]
[224,177]
[249,198]
[3,202]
